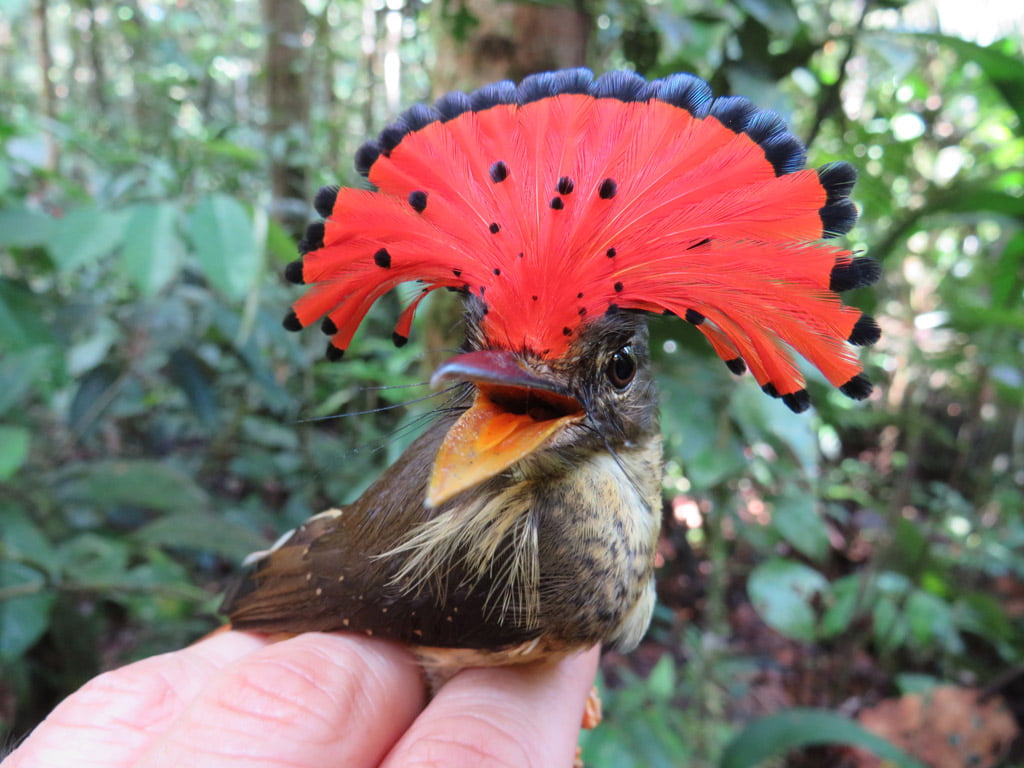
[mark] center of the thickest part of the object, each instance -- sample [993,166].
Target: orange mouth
[514,414]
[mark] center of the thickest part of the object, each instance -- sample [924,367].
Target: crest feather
[567,196]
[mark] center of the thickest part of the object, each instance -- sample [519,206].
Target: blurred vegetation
[157,423]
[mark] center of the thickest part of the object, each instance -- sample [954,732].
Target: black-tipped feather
[324,200]
[293,272]
[865,331]
[849,274]
[493,94]
[736,365]
[858,387]
[798,401]
[620,84]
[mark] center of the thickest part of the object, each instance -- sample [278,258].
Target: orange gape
[567,197]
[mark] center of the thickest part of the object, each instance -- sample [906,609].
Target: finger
[314,700]
[113,718]
[503,716]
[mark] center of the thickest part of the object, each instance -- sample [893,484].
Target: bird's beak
[515,412]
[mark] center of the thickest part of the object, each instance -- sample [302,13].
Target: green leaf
[14,443]
[19,372]
[980,200]
[766,419]
[775,735]
[661,683]
[22,227]
[152,250]
[795,517]
[889,623]
[84,235]
[224,242]
[21,324]
[95,393]
[204,532]
[23,541]
[930,621]
[1005,280]
[138,483]
[93,560]
[849,598]
[190,373]
[777,15]
[782,592]
[25,617]
[1003,68]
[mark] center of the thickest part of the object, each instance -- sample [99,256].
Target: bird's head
[565,209]
[598,394]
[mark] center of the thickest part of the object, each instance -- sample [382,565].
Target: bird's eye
[622,368]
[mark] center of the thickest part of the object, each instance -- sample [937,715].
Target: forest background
[859,568]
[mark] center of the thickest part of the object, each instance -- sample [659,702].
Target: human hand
[241,700]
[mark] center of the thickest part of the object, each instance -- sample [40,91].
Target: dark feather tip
[696,318]
[382,258]
[837,218]
[839,214]
[736,365]
[453,104]
[293,272]
[325,199]
[798,401]
[366,156]
[858,387]
[418,200]
[333,353]
[315,234]
[865,331]
[545,84]
[557,204]
[419,116]
[785,152]
[392,136]
[620,84]
[685,91]
[837,179]
[307,243]
[733,111]
[608,189]
[291,322]
[565,186]
[399,340]
[328,327]
[770,390]
[848,274]
[493,94]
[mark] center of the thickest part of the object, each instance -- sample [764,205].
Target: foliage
[156,423]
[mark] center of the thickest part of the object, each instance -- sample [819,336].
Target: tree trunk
[287,127]
[509,40]
[49,93]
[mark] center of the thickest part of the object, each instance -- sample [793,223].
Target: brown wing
[329,573]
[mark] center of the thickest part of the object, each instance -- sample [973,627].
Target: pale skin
[239,700]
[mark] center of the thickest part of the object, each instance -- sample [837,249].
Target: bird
[565,210]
